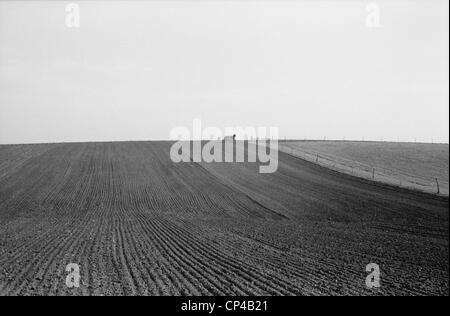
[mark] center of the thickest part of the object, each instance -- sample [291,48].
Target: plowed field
[138,224]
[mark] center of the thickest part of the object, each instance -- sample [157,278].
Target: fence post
[317,158]
[373,173]
[438,188]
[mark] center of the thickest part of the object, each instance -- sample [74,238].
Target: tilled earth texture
[137,223]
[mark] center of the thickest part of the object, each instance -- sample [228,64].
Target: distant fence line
[379,174]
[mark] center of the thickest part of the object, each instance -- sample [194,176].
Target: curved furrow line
[112,266]
[150,235]
[164,282]
[81,250]
[128,202]
[140,254]
[202,258]
[122,256]
[201,203]
[217,255]
[197,196]
[202,198]
[130,215]
[94,264]
[255,285]
[293,267]
[248,272]
[190,269]
[305,274]
[129,274]
[99,265]
[308,276]
[74,253]
[180,277]
[138,224]
[261,212]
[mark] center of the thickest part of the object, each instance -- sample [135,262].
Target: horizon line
[190,140]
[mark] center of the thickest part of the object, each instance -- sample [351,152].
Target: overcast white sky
[135,70]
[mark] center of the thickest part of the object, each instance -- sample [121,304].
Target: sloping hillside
[137,223]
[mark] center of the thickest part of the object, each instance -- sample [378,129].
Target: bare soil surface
[139,224]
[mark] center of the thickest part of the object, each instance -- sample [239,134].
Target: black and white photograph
[225,156]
